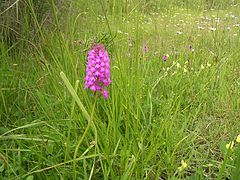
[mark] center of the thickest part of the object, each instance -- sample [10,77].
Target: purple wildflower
[98,70]
[145,48]
[165,57]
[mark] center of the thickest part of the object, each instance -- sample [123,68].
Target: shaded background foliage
[23,19]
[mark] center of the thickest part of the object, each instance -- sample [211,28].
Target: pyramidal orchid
[98,70]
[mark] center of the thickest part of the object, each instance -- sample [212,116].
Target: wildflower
[236,25]
[183,166]
[202,66]
[212,28]
[119,31]
[200,27]
[145,48]
[238,138]
[208,64]
[179,32]
[185,70]
[98,70]
[178,65]
[230,145]
[165,57]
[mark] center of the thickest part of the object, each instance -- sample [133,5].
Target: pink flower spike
[98,70]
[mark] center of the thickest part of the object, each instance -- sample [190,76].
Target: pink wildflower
[145,48]
[165,57]
[98,70]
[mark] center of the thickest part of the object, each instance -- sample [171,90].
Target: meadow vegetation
[173,110]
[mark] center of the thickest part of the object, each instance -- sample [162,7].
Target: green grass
[158,113]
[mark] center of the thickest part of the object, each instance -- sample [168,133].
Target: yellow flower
[208,64]
[230,145]
[183,166]
[238,138]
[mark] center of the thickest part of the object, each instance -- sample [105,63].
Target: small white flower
[179,32]
[178,65]
[208,64]
[185,70]
[236,25]
[200,27]
[119,31]
[202,66]
[212,28]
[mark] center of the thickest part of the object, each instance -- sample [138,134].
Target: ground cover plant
[120,89]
